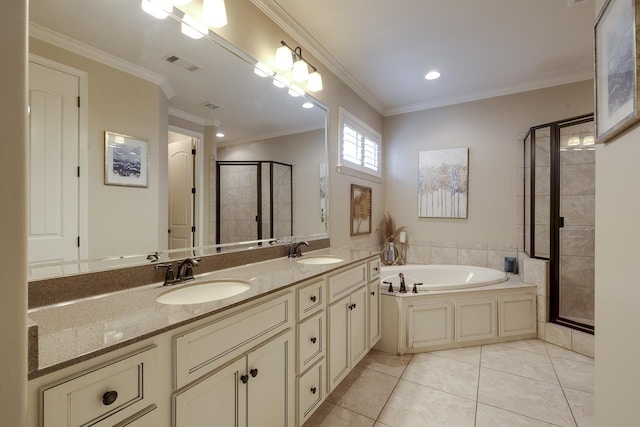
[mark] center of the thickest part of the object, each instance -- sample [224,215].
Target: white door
[181,197]
[53,165]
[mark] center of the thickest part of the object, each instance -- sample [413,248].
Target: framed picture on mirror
[616,68]
[126,160]
[360,210]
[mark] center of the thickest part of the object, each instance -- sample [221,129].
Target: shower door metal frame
[556,223]
[555,220]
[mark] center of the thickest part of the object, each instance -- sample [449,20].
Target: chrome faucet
[185,269]
[295,249]
[403,286]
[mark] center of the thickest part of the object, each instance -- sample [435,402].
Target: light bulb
[284,59]
[192,28]
[588,140]
[157,8]
[314,83]
[432,75]
[307,105]
[262,70]
[220,135]
[214,13]
[300,71]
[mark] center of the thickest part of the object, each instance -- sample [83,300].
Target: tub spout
[403,286]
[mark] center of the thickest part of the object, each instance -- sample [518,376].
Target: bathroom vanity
[267,356]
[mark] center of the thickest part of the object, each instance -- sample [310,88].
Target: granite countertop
[74,331]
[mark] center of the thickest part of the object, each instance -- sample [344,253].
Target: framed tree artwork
[360,210]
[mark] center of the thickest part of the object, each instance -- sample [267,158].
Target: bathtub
[435,277]
[456,306]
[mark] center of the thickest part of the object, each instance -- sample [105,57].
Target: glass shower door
[577,224]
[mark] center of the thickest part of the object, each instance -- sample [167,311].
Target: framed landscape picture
[616,55]
[126,160]
[443,183]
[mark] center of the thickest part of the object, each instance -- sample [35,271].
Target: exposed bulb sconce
[573,141]
[214,13]
[288,58]
[157,8]
[192,28]
[588,140]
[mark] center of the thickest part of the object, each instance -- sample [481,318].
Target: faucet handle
[390,286]
[169,278]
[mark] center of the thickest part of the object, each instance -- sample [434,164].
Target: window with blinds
[359,145]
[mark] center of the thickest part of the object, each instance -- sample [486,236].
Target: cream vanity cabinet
[373,308]
[121,392]
[238,370]
[311,347]
[346,322]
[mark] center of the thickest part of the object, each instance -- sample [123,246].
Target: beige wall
[617,290]
[305,151]
[493,130]
[13,252]
[253,32]
[121,220]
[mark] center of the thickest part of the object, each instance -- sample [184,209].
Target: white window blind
[359,145]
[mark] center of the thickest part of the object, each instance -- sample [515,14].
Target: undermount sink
[319,260]
[200,292]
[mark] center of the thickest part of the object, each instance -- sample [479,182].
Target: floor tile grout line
[522,415]
[555,371]
[437,389]
[475,418]
[394,388]
[522,376]
[450,358]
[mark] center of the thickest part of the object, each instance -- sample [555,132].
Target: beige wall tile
[541,330]
[583,343]
[558,335]
[444,255]
[472,257]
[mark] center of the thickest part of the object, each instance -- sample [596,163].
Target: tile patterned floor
[519,384]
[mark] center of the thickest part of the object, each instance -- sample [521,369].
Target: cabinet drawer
[310,391]
[311,340]
[146,418]
[342,283]
[104,396]
[204,349]
[374,269]
[311,299]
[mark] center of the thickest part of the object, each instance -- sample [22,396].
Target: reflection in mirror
[136,75]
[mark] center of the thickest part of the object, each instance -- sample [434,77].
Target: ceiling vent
[181,62]
[571,3]
[210,105]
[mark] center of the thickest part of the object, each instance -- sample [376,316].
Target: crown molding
[60,40]
[285,21]
[192,117]
[510,90]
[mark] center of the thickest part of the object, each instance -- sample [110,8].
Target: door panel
[53,161]
[181,198]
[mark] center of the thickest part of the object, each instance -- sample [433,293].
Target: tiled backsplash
[461,253]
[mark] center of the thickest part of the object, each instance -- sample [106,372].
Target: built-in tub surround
[435,277]
[79,330]
[478,254]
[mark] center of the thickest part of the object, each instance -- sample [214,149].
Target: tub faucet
[403,286]
[295,249]
[185,269]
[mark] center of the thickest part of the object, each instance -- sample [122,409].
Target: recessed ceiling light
[307,105]
[220,135]
[432,75]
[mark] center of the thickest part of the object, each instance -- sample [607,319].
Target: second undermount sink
[200,292]
[319,260]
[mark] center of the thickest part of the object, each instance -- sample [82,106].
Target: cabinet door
[375,324]
[429,325]
[271,391]
[219,399]
[517,315]
[476,319]
[338,326]
[358,342]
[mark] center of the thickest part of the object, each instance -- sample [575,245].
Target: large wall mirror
[106,67]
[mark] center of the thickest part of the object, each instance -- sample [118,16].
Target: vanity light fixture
[295,91]
[573,141]
[432,75]
[157,8]
[288,58]
[263,70]
[192,28]
[588,140]
[214,13]
[307,105]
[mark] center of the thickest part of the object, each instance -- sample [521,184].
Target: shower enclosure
[254,200]
[559,214]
